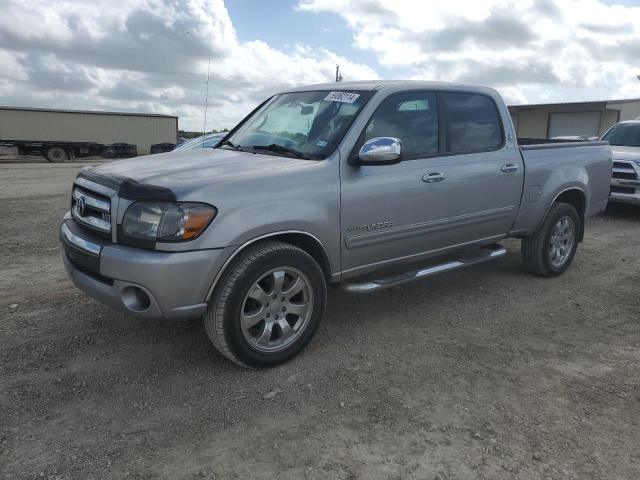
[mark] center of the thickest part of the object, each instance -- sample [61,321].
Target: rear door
[459,183]
[484,172]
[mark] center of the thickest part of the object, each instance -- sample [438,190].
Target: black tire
[56,155]
[222,318]
[536,249]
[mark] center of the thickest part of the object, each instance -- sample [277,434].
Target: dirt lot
[484,373]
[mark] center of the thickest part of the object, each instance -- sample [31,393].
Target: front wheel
[267,305]
[550,251]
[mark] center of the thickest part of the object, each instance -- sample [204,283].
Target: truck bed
[548,165]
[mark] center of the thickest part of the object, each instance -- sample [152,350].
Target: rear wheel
[56,155]
[267,305]
[550,251]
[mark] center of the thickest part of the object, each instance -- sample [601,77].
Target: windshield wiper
[274,147]
[231,144]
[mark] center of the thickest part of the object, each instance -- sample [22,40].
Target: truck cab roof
[399,85]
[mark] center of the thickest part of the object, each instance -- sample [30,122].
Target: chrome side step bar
[482,255]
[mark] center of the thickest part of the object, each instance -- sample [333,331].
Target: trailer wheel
[56,155]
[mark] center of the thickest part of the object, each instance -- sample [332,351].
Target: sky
[156,56]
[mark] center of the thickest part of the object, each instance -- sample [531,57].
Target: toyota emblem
[81,205]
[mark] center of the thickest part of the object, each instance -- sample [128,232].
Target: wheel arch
[575,197]
[303,240]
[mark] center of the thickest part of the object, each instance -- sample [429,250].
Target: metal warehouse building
[579,118]
[140,129]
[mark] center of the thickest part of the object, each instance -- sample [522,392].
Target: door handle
[433,177]
[509,167]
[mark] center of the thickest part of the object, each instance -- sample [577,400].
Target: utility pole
[338,76]
[206,103]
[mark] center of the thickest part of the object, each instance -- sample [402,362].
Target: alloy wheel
[561,241]
[276,309]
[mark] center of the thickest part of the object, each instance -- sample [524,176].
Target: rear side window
[474,122]
[411,117]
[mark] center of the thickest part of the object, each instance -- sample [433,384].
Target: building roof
[587,102]
[91,112]
[628,100]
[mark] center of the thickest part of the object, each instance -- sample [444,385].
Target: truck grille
[624,170]
[91,209]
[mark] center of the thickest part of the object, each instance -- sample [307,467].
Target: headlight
[166,222]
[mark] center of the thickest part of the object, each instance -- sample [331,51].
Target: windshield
[624,135]
[210,140]
[300,124]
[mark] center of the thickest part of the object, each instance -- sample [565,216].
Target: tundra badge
[370,227]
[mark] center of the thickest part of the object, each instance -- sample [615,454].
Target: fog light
[135,299]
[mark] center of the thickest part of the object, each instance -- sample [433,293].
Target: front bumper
[142,283]
[625,182]
[620,197]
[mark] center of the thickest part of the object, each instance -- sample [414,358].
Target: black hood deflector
[128,188]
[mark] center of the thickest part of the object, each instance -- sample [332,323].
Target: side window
[474,122]
[411,117]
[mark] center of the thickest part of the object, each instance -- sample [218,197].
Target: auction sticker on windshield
[345,97]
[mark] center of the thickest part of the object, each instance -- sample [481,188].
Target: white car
[210,140]
[624,138]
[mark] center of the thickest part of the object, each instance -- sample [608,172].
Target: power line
[107,46]
[145,77]
[206,102]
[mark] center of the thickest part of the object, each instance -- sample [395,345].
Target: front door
[458,183]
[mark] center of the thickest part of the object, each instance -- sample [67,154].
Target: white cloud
[147,55]
[152,55]
[579,48]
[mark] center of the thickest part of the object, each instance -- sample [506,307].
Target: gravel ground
[484,373]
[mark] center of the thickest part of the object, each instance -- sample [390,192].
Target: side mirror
[380,151]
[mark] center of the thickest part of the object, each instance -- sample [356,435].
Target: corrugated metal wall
[628,110]
[533,121]
[139,130]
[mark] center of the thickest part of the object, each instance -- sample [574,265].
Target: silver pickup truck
[624,138]
[364,185]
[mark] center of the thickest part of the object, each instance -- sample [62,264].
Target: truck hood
[625,153]
[192,168]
